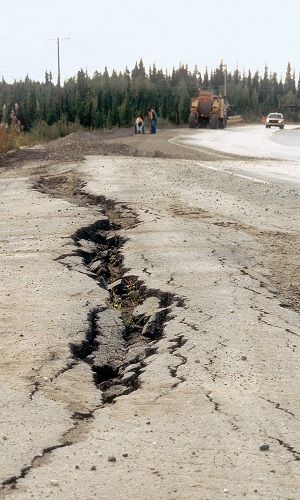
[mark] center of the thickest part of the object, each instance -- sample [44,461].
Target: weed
[12,136]
[113,258]
[132,292]
[115,301]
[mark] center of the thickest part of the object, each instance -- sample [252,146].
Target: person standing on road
[152,115]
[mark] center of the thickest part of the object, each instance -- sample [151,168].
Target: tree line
[111,100]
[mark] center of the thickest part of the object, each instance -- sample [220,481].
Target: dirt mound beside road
[118,142]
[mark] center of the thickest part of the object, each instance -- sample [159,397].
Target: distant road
[255,141]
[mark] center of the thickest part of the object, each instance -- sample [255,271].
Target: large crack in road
[121,334]
[183,287]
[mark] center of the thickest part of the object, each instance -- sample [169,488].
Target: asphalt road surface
[150,316]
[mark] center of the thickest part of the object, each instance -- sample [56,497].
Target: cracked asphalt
[207,219]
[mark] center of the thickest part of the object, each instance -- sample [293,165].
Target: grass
[130,296]
[12,137]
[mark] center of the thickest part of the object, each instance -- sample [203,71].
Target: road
[174,374]
[250,141]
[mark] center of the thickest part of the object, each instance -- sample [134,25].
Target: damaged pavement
[149,331]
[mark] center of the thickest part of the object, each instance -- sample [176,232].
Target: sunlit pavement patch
[287,137]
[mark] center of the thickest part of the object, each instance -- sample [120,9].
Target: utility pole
[58,78]
[225,83]
[58,81]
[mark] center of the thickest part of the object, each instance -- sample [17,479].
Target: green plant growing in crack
[133,293]
[113,258]
[125,299]
[115,301]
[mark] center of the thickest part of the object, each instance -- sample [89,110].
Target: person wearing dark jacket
[152,115]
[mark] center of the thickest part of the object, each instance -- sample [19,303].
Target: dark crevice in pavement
[173,371]
[79,419]
[218,408]
[177,343]
[216,405]
[296,454]
[12,481]
[66,368]
[90,343]
[293,333]
[289,302]
[118,339]
[117,344]
[180,381]
[119,336]
[209,368]
[82,416]
[251,290]
[36,386]
[279,407]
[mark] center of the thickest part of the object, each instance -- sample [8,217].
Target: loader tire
[214,121]
[192,120]
[222,122]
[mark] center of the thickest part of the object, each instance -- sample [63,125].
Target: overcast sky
[117,33]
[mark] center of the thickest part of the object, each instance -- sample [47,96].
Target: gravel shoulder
[192,391]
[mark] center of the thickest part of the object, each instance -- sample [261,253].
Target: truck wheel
[222,122]
[214,121]
[192,120]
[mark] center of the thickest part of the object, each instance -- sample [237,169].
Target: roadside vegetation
[33,112]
